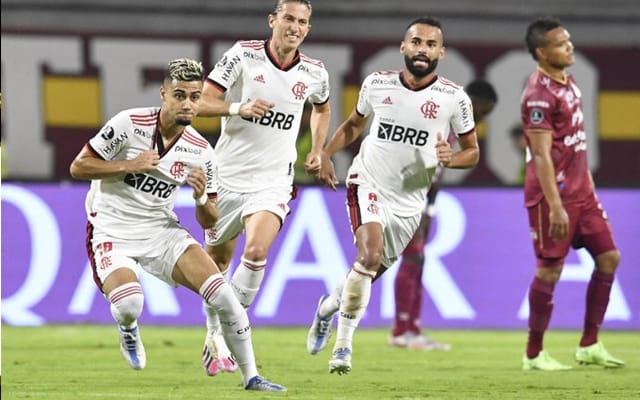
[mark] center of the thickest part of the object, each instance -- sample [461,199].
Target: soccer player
[261,87]
[136,163]
[560,197]
[406,332]
[387,183]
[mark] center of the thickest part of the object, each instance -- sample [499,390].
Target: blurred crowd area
[67,65]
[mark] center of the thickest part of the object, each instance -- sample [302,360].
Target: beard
[183,121]
[420,72]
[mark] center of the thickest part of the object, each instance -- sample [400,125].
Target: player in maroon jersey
[560,197]
[406,332]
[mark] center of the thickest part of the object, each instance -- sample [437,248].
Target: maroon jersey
[550,105]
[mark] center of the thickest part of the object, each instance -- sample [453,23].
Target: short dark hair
[184,69]
[425,21]
[277,7]
[481,89]
[536,32]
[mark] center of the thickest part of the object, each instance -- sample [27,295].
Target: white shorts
[365,204]
[157,254]
[233,207]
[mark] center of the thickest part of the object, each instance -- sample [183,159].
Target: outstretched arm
[212,105]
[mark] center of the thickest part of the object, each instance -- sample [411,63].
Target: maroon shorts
[588,228]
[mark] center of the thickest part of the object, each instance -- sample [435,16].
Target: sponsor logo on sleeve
[106,132]
[109,148]
[538,103]
[536,116]
[228,66]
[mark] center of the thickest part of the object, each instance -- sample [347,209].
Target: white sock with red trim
[355,298]
[331,304]
[126,304]
[234,322]
[246,280]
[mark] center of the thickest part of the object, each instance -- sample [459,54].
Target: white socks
[354,301]
[331,304]
[213,322]
[247,279]
[234,322]
[126,304]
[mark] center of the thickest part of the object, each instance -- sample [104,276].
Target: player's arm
[319,123]
[213,105]
[540,141]
[206,209]
[468,155]
[346,134]
[87,165]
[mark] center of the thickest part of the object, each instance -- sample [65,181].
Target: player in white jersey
[136,163]
[406,331]
[260,87]
[413,110]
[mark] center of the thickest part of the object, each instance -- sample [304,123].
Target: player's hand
[255,108]
[198,181]
[558,223]
[312,163]
[327,173]
[146,161]
[443,151]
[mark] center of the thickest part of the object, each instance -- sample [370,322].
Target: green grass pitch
[82,362]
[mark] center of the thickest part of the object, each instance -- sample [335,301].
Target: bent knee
[371,261]
[550,274]
[255,253]
[608,262]
[222,259]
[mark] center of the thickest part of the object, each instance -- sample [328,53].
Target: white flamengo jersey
[131,206]
[398,156]
[257,153]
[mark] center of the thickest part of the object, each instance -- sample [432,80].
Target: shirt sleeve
[210,170]
[228,69]
[537,109]
[321,96]
[112,137]
[462,120]
[363,107]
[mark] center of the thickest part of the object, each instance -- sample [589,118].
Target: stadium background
[67,65]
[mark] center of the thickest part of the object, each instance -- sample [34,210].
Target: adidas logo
[259,78]
[387,100]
